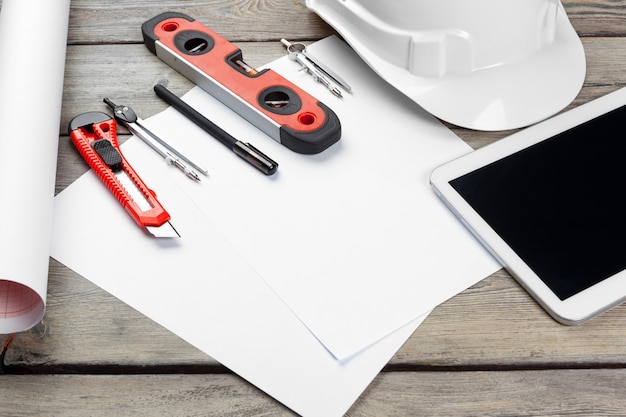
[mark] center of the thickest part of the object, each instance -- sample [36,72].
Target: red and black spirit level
[279,108]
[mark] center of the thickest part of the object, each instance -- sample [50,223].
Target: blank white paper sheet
[304,283]
[353,239]
[202,290]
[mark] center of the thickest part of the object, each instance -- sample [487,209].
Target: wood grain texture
[490,350]
[492,325]
[263,20]
[137,396]
[522,393]
[581,393]
[241,20]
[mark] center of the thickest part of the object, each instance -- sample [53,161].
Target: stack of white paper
[306,282]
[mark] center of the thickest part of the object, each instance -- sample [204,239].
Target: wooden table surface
[488,351]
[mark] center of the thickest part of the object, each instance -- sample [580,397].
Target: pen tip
[163,81]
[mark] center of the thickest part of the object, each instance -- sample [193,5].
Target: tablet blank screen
[560,204]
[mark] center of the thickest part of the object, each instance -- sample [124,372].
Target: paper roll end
[20,307]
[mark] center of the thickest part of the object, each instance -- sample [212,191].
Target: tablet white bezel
[580,307]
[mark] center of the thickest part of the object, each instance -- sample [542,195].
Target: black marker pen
[246,151]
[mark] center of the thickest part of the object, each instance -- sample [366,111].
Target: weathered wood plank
[146,395]
[496,324]
[493,325]
[247,20]
[597,17]
[86,326]
[521,393]
[262,20]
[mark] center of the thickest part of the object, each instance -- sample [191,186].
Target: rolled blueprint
[33,39]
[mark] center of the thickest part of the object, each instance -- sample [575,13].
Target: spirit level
[278,107]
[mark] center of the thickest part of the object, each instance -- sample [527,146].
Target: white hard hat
[480,64]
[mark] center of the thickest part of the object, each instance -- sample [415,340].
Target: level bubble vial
[277,99]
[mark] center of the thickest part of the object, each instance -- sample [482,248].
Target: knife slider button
[109,155]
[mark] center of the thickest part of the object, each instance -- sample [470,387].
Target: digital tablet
[549,202]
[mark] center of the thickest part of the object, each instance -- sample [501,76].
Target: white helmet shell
[479,64]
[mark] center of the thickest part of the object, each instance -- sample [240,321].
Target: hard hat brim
[508,96]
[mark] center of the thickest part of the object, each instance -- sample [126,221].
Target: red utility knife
[94,135]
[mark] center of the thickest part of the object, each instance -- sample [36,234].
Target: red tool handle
[88,128]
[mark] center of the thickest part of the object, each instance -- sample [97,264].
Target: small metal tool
[135,125]
[297,52]
[316,74]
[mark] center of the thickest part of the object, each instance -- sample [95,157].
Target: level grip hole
[170,26]
[306,118]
